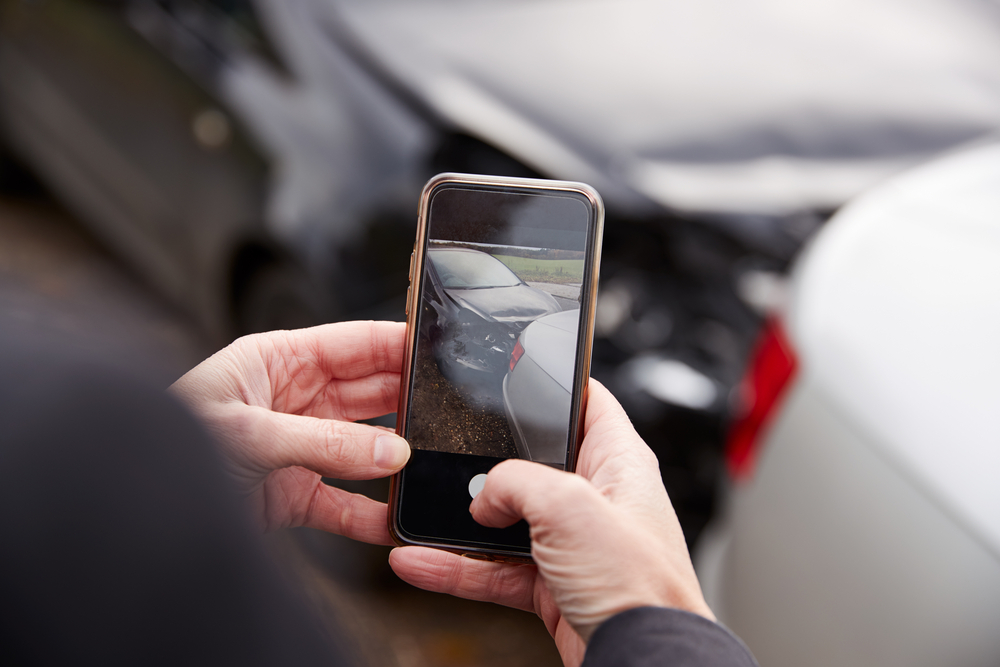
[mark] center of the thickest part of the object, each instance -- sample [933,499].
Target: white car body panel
[896,313]
[870,532]
[551,342]
[537,392]
[833,556]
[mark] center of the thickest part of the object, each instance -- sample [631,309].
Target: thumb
[575,536]
[344,450]
[518,489]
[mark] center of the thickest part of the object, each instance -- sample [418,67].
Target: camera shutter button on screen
[476,484]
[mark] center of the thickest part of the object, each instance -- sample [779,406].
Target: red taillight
[515,356]
[772,365]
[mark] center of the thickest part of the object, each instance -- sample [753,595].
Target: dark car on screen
[474,307]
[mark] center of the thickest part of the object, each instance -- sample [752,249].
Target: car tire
[280,296]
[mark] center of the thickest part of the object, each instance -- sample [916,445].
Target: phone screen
[496,359]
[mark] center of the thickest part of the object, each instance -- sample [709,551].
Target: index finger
[343,350]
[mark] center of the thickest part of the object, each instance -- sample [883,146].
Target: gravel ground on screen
[440,417]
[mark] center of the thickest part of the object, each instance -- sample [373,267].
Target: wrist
[688,601]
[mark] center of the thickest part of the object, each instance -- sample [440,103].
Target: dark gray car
[474,307]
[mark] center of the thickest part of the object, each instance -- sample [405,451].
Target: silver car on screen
[538,388]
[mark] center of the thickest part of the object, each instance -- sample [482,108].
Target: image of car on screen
[538,387]
[474,309]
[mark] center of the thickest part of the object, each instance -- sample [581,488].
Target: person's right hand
[604,540]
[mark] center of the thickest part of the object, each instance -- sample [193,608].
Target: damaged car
[474,308]
[258,161]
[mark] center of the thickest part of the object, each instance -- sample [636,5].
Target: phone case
[583,356]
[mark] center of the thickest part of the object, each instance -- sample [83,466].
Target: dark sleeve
[121,543]
[650,636]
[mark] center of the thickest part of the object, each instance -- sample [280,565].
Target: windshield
[471,269]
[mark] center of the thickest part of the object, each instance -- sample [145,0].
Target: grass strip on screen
[559,271]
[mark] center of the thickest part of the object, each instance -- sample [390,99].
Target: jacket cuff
[658,635]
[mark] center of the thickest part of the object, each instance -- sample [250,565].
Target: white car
[537,389]
[863,519]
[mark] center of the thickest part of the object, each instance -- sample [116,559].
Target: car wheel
[280,296]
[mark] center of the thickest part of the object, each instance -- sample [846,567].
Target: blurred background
[176,173]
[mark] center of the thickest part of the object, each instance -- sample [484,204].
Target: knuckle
[455,576]
[334,437]
[571,491]
[345,521]
[378,343]
[344,443]
[492,586]
[390,388]
[645,455]
[312,506]
[507,469]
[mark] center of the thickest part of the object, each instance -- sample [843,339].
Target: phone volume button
[411,266]
[407,308]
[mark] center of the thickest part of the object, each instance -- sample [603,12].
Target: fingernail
[391,452]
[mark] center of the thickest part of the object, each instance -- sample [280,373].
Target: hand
[604,540]
[281,405]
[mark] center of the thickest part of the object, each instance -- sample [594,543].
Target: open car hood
[765,106]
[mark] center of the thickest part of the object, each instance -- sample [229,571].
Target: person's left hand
[281,406]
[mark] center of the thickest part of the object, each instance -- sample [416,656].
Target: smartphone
[500,315]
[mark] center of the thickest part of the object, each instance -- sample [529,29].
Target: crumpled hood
[505,304]
[763,106]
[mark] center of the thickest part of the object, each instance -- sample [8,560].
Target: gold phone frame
[588,308]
